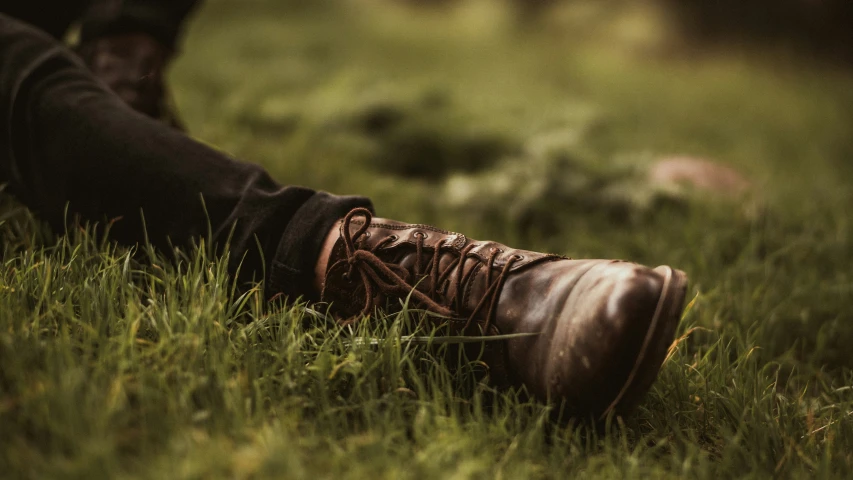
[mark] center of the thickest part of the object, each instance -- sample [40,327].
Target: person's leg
[52,16]
[66,140]
[128,44]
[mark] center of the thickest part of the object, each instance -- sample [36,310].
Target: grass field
[115,365]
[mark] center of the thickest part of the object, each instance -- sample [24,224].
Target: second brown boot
[598,330]
[133,65]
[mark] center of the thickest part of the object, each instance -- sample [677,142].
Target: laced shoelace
[390,279]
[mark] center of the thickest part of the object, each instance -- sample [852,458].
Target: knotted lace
[392,280]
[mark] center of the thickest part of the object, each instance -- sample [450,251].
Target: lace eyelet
[366,234]
[394,238]
[518,257]
[419,235]
[496,250]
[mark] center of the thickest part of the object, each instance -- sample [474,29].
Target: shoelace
[389,279]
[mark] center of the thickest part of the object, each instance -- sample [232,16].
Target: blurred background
[480,103]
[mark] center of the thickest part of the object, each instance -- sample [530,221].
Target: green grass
[115,362]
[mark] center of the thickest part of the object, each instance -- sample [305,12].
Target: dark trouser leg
[162,19]
[52,16]
[66,140]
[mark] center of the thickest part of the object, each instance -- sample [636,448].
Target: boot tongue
[407,235]
[409,250]
[524,258]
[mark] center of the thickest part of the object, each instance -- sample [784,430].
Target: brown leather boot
[601,328]
[133,65]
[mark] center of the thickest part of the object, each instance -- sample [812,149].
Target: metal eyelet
[394,238]
[518,257]
[496,250]
[419,235]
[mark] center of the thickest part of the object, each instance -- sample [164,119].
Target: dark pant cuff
[292,269]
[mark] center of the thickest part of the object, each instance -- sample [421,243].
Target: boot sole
[656,343]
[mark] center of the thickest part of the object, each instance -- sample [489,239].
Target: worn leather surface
[590,317]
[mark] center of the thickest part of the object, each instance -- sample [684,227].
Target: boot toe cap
[606,336]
